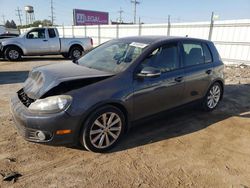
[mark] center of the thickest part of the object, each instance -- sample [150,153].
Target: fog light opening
[40,135]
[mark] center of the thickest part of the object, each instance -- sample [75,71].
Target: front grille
[24,98]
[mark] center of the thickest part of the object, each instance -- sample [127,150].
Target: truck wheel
[13,53]
[75,52]
[103,129]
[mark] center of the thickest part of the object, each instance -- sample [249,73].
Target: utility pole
[52,12]
[120,14]
[3,17]
[18,10]
[169,25]
[135,2]
[211,27]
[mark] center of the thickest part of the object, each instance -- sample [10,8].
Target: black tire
[206,104]
[75,52]
[12,53]
[87,138]
[65,55]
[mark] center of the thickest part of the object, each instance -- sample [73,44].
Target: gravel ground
[187,148]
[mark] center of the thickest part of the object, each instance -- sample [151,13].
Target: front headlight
[51,104]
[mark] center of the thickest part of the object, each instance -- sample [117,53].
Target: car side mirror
[149,72]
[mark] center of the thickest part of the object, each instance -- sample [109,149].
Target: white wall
[231,37]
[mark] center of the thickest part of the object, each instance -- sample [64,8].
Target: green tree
[13,24]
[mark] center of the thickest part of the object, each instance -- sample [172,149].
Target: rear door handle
[178,79]
[209,71]
[45,40]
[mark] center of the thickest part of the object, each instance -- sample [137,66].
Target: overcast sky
[149,11]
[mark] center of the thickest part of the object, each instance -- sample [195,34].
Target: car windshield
[113,56]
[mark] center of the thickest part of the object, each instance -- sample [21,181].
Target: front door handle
[45,40]
[178,79]
[209,71]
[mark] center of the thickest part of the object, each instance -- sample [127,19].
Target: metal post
[73,33]
[117,31]
[169,25]
[99,34]
[211,27]
[63,30]
[85,30]
[139,32]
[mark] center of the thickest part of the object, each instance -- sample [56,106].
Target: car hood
[44,78]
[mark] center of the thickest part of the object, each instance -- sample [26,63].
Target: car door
[153,95]
[198,67]
[54,43]
[36,42]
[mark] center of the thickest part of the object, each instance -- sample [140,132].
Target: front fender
[17,43]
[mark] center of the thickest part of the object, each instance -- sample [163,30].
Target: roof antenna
[186,35]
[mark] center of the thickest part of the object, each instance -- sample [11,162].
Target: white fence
[232,37]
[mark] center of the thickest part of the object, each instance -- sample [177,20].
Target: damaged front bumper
[42,128]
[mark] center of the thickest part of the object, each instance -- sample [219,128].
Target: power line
[120,15]
[135,2]
[52,12]
[19,14]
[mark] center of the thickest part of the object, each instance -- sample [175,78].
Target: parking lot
[186,148]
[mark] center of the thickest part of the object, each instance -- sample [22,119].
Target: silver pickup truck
[43,41]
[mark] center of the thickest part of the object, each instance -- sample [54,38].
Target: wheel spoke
[97,122]
[104,119]
[112,134]
[115,122]
[107,139]
[101,140]
[96,138]
[111,118]
[95,131]
[115,129]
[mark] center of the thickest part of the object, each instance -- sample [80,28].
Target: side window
[193,54]
[52,33]
[164,58]
[36,34]
[207,54]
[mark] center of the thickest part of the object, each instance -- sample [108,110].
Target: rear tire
[75,52]
[103,129]
[212,98]
[12,53]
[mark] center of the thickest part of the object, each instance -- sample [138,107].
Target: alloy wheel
[105,130]
[213,96]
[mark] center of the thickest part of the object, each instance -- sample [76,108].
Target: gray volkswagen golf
[93,100]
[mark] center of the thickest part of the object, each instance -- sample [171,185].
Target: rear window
[52,33]
[196,53]
[207,54]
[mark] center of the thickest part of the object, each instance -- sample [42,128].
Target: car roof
[158,38]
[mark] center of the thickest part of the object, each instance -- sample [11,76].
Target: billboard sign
[88,17]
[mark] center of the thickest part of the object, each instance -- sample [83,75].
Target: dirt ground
[188,148]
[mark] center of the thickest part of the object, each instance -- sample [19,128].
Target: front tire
[103,129]
[212,98]
[12,54]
